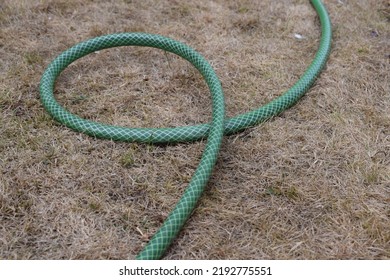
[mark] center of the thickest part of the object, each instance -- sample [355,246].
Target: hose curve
[213,131]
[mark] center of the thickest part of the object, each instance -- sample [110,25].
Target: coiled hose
[213,131]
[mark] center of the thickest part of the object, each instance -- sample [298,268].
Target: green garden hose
[213,131]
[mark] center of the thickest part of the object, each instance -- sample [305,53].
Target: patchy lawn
[312,183]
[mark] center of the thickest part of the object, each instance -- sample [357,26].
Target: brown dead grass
[313,183]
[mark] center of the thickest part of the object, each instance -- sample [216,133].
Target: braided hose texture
[213,131]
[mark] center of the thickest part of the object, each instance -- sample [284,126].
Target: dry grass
[313,183]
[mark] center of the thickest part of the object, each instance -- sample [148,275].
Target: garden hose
[213,131]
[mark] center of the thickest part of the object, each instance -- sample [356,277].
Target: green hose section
[212,131]
[176,219]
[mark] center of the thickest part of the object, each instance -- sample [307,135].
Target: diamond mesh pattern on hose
[213,131]
[161,240]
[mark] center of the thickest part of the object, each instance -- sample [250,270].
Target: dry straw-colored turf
[312,183]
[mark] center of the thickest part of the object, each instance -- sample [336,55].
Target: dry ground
[312,183]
